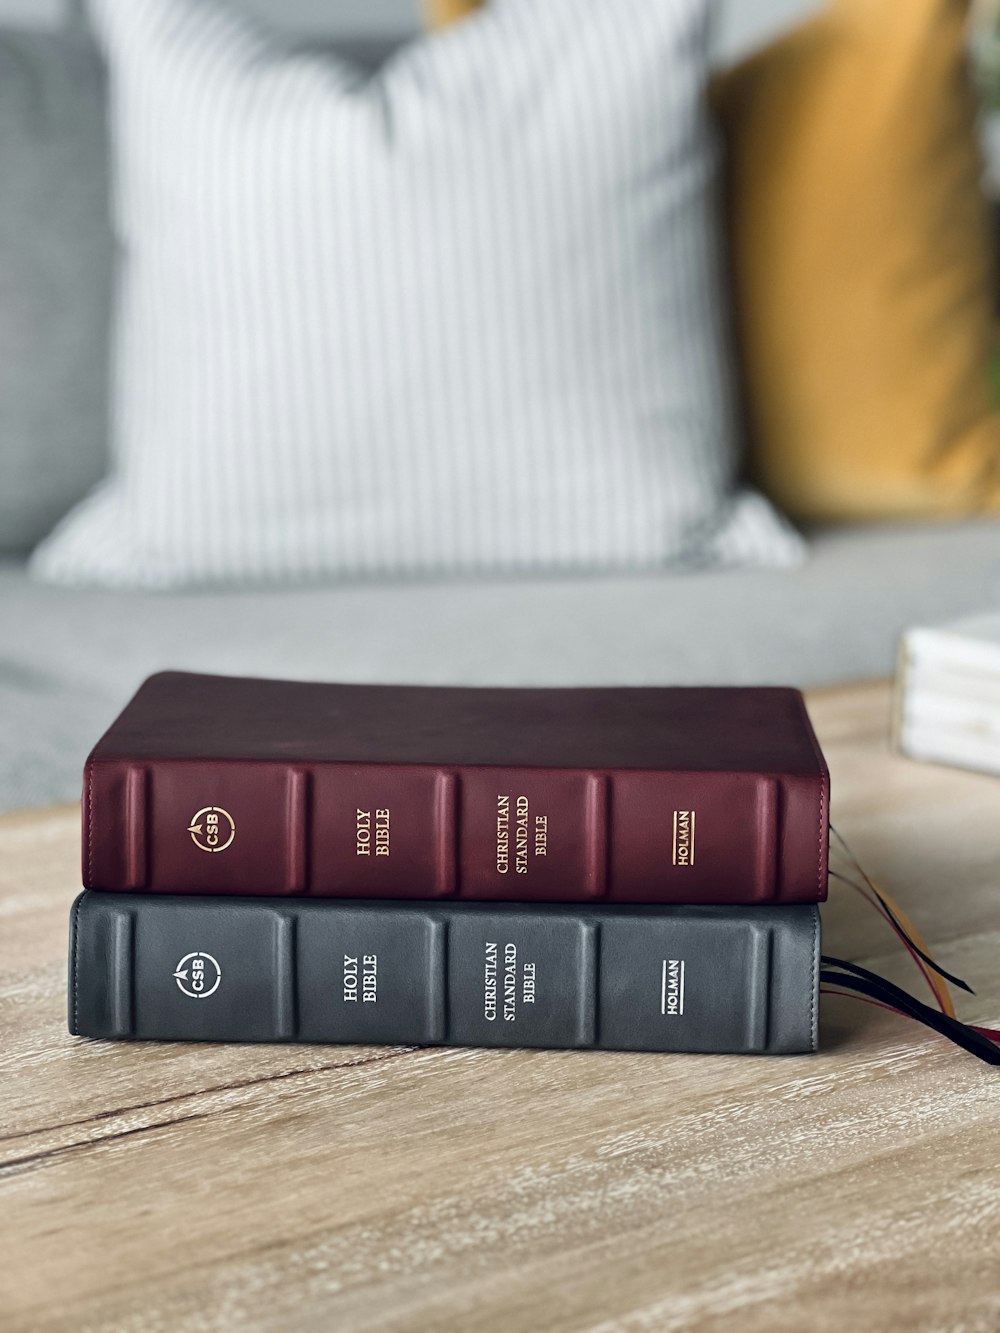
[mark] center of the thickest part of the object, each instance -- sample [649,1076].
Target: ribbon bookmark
[838,977]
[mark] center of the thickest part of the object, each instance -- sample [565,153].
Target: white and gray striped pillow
[465,315]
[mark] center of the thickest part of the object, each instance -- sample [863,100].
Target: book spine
[719,979]
[495,834]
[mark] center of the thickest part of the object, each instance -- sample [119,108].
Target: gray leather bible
[723,979]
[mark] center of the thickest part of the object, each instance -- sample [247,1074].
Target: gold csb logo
[212,829]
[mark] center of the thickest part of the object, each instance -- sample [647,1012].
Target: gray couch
[69,660]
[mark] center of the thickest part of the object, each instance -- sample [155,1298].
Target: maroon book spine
[410,830]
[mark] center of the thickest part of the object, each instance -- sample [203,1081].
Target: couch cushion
[69,660]
[371,326]
[55,238]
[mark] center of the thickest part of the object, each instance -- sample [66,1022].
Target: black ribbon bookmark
[858,980]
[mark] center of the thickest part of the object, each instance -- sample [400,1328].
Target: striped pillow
[465,315]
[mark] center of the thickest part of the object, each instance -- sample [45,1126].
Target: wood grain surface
[203,1187]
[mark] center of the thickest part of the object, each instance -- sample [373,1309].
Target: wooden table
[204,1188]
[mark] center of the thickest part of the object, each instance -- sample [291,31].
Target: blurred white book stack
[948,699]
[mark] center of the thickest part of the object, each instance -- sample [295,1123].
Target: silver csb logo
[198,975]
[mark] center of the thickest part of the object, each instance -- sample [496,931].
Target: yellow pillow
[862,261]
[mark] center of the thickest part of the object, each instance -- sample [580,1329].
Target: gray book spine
[713,979]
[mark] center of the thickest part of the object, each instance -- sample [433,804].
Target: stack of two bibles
[630,869]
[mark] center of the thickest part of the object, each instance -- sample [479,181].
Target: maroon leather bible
[207,784]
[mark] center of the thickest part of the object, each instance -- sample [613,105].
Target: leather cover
[207,784]
[463,974]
